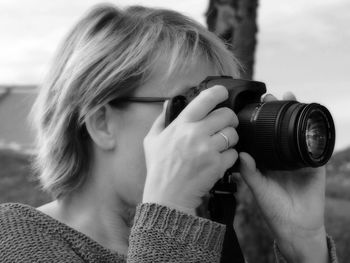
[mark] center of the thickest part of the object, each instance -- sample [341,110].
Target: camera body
[241,92]
[280,135]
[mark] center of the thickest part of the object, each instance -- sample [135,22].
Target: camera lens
[316,134]
[286,134]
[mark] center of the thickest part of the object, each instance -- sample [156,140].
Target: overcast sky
[303,45]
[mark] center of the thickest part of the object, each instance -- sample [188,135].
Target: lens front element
[316,134]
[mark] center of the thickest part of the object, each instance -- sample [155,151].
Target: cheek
[136,123]
[130,149]
[132,176]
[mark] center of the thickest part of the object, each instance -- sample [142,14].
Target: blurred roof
[15,105]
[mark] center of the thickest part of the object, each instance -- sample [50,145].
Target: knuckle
[203,149]
[232,158]
[188,136]
[234,135]
[190,132]
[229,115]
[233,118]
[235,154]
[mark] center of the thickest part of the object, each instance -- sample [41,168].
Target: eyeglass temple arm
[141,99]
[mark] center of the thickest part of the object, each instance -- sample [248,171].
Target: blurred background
[298,46]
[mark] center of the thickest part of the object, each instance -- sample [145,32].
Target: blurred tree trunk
[235,22]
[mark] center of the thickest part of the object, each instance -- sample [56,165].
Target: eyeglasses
[116,102]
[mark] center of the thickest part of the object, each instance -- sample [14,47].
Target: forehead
[178,82]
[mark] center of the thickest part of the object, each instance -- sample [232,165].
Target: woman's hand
[188,157]
[292,203]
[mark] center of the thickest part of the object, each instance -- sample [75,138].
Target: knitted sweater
[159,234]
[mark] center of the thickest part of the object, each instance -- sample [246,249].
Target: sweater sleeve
[162,234]
[331,252]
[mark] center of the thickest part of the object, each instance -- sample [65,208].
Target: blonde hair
[109,53]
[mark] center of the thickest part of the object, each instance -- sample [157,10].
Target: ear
[101,129]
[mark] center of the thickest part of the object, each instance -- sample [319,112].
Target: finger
[217,120]
[250,174]
[229,158]
[221,143]
[159,124]
[289,96]
[204,103]
[268,97]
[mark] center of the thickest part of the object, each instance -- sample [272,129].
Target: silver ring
[226,139]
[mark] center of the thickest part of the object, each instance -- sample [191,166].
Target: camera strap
[222,207]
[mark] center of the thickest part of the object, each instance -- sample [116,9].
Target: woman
[125,187]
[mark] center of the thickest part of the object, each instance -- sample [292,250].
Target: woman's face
[134,122]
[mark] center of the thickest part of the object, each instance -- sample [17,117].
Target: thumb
[159,124]
[289,96]
[253,178]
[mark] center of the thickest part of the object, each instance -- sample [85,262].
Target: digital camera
[279,135]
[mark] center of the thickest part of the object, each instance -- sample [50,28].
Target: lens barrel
[286,135]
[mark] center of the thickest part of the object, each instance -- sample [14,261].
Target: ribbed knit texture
[159,234]
[173,236]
